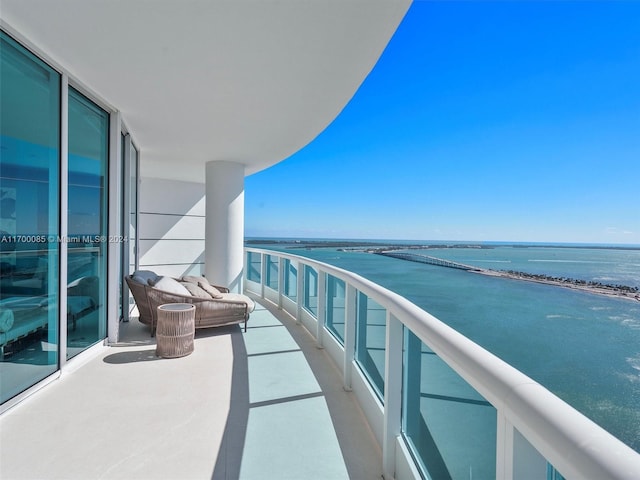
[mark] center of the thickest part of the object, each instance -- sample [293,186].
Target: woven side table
[176,329]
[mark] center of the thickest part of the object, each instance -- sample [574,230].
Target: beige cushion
[170,285]
[195,280]
[238,297]
[195,290]
[211,290]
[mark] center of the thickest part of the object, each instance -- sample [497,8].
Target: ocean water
[583,347]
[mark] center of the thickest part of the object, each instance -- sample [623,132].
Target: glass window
[29,196]
[335,307]
[450,427]
[371,331]
[87,224]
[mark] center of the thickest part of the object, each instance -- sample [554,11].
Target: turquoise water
[583,347]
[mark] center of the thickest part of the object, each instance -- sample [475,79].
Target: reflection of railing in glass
[336,307]
[28,315]
[272,272]
[84,292]
[370,348]
[253,267]
[290,280]
[25,286]
[310,290]
[25,271]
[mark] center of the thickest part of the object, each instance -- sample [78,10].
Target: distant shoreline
[391,245]
[598,288]
[629,293]
[618,291]
[388,249]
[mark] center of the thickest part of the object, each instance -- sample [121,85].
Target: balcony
[257,405]
[377,387]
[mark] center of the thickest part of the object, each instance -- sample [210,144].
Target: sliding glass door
[54,235]
[29,218]
[87,224]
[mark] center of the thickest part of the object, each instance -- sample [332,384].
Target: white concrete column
[224,224]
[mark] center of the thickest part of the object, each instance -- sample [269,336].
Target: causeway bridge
[421,258]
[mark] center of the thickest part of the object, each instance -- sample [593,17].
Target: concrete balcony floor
[265,404]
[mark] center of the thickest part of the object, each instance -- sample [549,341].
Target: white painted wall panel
[171,227]
[170,252]
[172,197]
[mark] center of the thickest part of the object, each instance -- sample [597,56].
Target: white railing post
[281,273]
[263,273]
[322,307]
[300,292]
[349,334]
[504,448]
[245,271]
[392,395]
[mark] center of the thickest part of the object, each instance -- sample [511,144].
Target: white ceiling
[249,81]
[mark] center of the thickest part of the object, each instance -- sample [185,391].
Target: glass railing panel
[450,427]
[528,462]
[271,279]
[335,307]
[290,287]
[254,265]
[371,326]
[311,290]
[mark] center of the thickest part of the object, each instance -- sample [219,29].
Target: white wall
[172,226]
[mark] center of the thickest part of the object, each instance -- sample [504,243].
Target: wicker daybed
[215,306]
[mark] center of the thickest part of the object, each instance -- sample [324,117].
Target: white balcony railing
[532,434]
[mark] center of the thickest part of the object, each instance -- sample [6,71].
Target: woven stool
[176,329]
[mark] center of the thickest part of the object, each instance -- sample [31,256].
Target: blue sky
[482,121]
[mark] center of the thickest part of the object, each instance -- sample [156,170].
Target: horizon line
[432,241]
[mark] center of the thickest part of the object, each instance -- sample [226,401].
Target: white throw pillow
[170,285]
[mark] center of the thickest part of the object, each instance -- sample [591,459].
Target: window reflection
[87,223]
[336,307]
[370,340]
[29,200]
